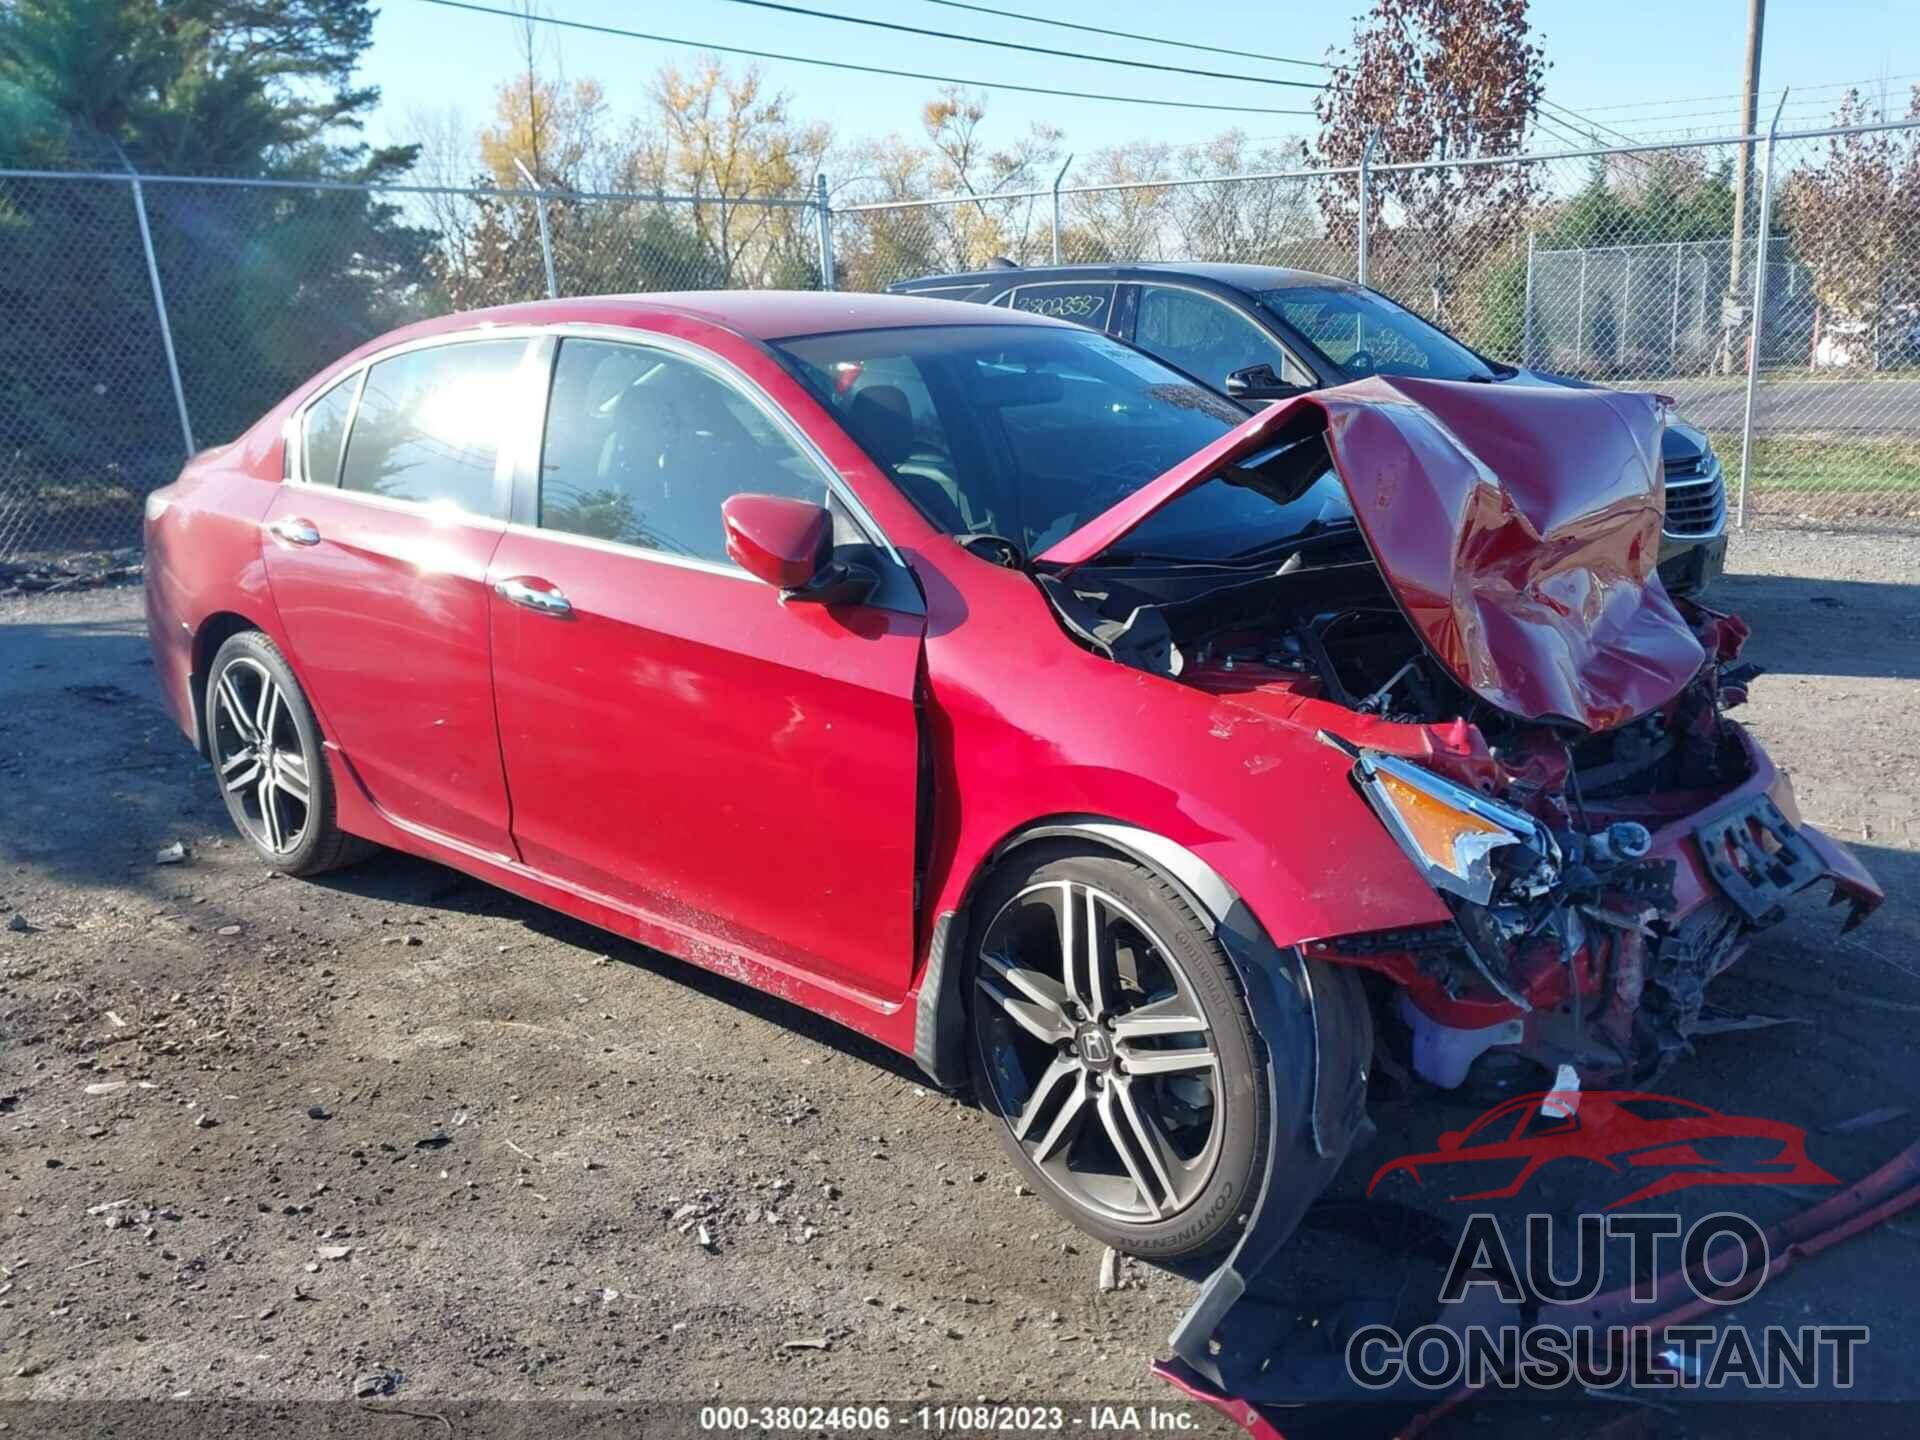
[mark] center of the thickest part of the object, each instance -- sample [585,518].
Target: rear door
[376,551]
[676,739]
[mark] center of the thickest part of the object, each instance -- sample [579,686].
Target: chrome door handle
[295,531]
[547,601]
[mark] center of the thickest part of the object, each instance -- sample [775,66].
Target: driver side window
[1206,337]
[643,447]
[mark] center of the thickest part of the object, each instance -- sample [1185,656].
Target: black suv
[1261,333]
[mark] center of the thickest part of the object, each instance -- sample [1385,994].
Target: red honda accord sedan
[1010,697]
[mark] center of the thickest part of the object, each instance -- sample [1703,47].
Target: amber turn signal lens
[1438,829]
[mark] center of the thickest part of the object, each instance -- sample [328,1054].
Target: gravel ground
[281,1140]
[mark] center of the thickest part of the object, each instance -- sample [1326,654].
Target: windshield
[1367,334]
[1278,498]
[1025,432]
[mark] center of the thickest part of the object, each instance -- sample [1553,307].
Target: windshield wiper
[1113,558]
[1313,534]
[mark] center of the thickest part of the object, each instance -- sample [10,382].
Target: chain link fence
[148,317]
[1771,285]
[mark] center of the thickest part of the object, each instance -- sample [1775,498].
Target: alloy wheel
[263,766]
[1099,1053]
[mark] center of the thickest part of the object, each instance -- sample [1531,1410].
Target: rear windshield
[1018,431]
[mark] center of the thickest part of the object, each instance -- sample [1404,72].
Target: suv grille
[1696,498]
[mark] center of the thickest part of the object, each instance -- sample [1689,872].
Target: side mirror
[789,544]
[1259,382]
[783,542]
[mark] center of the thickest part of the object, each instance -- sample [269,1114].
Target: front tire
[267,760]
[1112,1040]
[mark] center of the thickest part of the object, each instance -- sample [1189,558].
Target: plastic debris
[1563,1101]
[173,854]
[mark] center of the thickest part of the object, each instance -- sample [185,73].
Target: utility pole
[1734,307]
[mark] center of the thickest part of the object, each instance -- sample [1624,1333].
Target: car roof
[761,314]
[1238,277]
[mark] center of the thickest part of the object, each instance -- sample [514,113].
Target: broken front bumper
[1736,860]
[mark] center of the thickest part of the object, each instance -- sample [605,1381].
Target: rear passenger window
[643,447]
[431,423]
[325,433]
[1078,301]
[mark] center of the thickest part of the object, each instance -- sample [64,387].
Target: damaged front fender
[1318,1031]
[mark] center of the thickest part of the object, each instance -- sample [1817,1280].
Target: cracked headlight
[1450,832]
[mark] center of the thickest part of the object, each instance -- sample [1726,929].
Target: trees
[718,139]
[189,86]
[727,142]
[1438,80]
[1853,217]
[262,284]
[954,157]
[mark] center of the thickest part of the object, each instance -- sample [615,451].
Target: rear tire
[1135,1098]
[268,761]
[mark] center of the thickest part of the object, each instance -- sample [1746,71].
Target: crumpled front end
[1528,715]
[1597,886]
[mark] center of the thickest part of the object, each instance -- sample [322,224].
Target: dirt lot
[265,1138]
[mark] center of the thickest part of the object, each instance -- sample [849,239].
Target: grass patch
[1825,465]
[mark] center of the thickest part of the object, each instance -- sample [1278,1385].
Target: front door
[1206,337]
[676,739]
[377,552]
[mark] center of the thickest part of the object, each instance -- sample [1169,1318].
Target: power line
[1736,95]
[1794,107]
[1237,53]
[522,17]
[1029,49]
[1570,119]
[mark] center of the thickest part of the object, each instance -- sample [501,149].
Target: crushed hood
[1517,527]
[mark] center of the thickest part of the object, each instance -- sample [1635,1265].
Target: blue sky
[1624,63]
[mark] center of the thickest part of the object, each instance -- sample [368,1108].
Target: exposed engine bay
[1599,877]
[1320,623]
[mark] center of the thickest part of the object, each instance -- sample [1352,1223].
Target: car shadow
[406,880]
[1814,626]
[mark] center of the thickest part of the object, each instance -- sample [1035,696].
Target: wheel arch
[1312,1016]
[213,632]
[939,1032]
